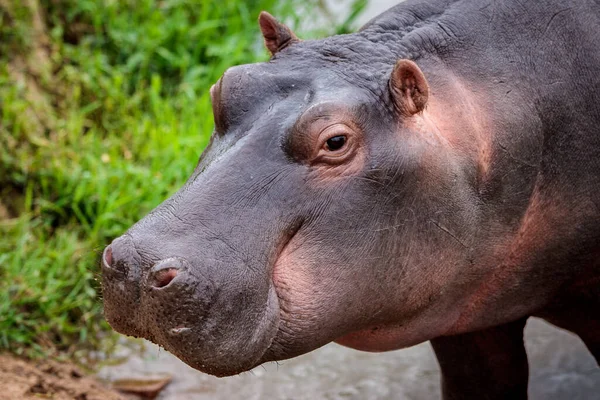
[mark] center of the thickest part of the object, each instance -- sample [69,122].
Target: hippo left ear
[409,88]
[277,35]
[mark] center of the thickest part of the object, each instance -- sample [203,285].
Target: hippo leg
[485,365]
[579,312]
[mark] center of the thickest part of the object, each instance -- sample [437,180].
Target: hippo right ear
[277,35]
[409,88]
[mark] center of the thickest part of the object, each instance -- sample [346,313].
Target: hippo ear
[277,35]
[409,88]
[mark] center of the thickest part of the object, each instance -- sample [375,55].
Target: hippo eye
[336,142]
[335,145]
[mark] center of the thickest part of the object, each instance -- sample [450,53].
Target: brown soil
[4,214]
[22,379]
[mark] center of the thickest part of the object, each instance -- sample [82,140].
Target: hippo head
[319,212]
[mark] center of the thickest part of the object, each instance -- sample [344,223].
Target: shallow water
[561,368]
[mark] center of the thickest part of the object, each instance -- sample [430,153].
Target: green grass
[96,133]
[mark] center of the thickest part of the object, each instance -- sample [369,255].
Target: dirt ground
[46,379]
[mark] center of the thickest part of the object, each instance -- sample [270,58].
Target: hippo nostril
[163,277]
[107,256]
[164,272]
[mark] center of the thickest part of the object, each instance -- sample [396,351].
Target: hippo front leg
[485,365]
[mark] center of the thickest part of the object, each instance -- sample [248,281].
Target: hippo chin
[434,176]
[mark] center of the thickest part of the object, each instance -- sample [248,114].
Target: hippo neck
[475,123]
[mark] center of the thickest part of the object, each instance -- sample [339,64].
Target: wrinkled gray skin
[464,203]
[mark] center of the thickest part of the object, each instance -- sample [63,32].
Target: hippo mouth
[300,326]
[276,349]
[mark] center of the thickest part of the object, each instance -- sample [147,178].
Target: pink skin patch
[163,277]
[108,256]
[394,336]
[379,339]
[293,285]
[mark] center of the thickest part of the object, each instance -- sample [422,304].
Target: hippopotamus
[434,176]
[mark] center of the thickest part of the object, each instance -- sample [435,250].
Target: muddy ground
[47,379]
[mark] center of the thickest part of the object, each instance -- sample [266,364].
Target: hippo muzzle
[169,302]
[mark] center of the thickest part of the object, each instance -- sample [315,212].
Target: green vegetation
[105,110]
